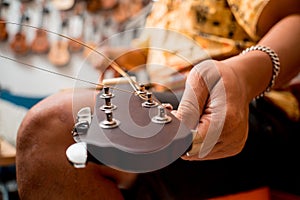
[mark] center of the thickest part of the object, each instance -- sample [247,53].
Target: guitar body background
[59,54]
[3,31]
[93,5]
[19,44]
[40,43]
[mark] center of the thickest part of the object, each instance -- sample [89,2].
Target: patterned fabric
[247,14]
[198,29]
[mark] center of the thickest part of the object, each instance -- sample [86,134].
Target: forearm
[254,69]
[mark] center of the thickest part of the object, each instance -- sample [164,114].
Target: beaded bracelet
[275,61]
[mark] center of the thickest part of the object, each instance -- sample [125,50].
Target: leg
[43,171]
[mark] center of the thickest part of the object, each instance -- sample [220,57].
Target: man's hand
[215,104]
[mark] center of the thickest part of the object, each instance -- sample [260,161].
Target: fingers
[203,105]
[193,100]
[213,120]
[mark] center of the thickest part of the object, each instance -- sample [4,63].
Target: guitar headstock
[129,131]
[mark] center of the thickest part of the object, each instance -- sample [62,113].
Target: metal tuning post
[108,105]
[161,117]
[150,102]
[142,90]
[110,122]
[106,93]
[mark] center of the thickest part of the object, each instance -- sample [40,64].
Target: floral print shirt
[181,32]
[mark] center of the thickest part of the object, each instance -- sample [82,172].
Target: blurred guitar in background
[40,43]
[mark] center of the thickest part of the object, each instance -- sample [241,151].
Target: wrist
[254,71]
[275,63]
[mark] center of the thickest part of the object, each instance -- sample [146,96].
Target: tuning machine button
[110,122]
[77,154]
[149,102]
[161,117]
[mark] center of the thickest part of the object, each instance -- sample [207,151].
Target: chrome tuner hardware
[161,117]
[110,122]
[77,154]
[142,90]
[106,93]
[150,102]
[84,118]
[80,128]
[108,105]
[84,114]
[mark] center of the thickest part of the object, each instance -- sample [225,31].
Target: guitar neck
[44,11]
[63,25]
[41,22]
[23,17]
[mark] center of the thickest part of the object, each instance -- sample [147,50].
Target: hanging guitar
[76,28]
[3,30]
[19,43]
[93,5]
[59,54]
[40,43]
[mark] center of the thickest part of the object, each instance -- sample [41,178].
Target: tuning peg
[107,93]
[150,102]
[84,118]
[108,105]
[110,122]
[77,154]
[46,10]
[142,90]
[81,127]
[161,117]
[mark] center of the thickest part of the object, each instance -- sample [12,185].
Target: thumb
[203,107]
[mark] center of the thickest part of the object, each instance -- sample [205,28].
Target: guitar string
[99,85]
[113,64]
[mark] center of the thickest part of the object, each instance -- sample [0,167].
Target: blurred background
[30,60]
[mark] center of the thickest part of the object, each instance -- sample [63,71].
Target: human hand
[216,105]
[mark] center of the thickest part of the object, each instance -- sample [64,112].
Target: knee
[45,120]
[43,136]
